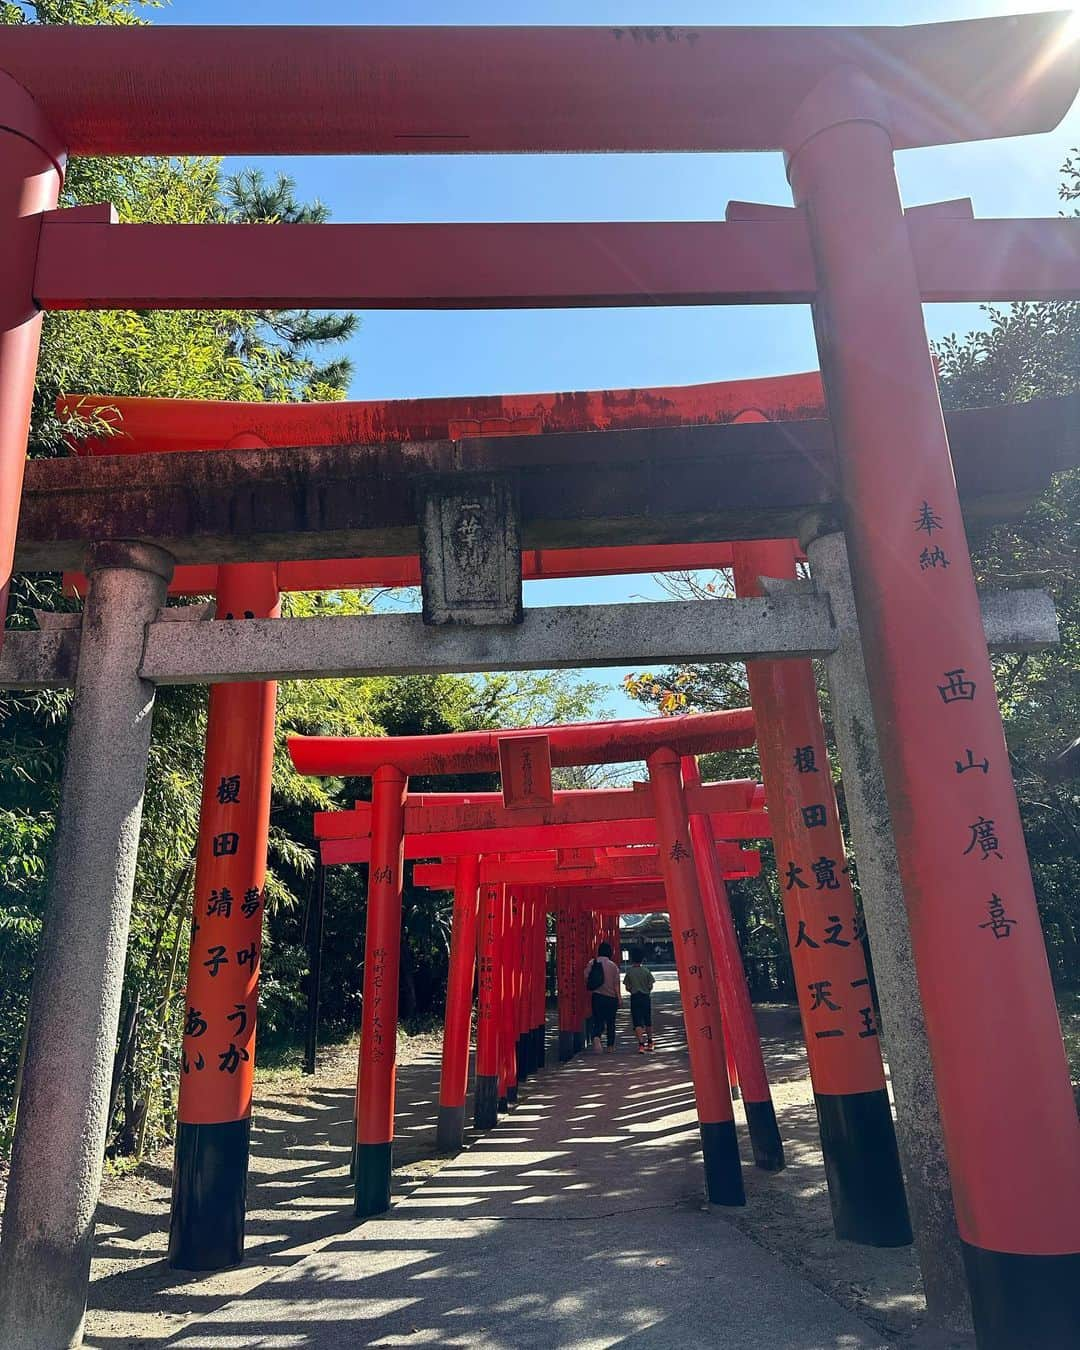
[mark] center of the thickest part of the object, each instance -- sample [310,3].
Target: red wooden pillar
[1002,1078]
[740,1029]
[454,1079]
[701,1011]
[486,1100]
[382,959]
[858,1141]
[31,172]
[729,1059]
[522,977]
[539,1020]
[565,922]
[580,954]
[217,1064]
[507,1028]
[594,930]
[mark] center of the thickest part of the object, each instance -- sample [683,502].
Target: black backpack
[595,977]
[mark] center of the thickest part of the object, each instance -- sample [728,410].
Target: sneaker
[641,1048]
[609,1049]
[649,1045]
[596,1046]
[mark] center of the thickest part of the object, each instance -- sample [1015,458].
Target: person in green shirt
[639,982]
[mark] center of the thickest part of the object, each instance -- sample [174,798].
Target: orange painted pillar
[382,960]
[486,1100]
[512,991]
[32,163]
[858,1141]
[565,979]
[992,1022]
[522,978]
[740,1029]
[580,953]
[693,960]
[507,1028]
[454,1078]
[217,1061]
[539,1020]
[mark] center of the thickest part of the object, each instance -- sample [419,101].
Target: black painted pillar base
[504,1105]
[371,1184]
[486,1102]
[579,1042]
[764,1135]
[862,1166]
[521,1055]
[566,1046]
[723,1170]
[450,1129]
[206,1228]
[1022,1302]
[540,1051]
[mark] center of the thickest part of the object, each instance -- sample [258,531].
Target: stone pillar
[918,1124]
[74,1011]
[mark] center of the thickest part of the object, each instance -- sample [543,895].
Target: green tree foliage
[291,356]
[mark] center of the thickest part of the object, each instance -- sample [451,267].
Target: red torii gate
[838,103]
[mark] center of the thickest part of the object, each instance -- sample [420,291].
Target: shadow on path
[578,1222]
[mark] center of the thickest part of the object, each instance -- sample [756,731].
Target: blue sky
[416,353]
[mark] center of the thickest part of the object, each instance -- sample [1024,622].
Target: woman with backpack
[602,981]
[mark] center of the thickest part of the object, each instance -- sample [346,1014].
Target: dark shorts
[640,1010]
[604,1008]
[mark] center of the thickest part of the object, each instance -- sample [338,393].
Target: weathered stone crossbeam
[568,636]
[685,484]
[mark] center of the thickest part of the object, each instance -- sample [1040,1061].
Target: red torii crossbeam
[736,863]
[464,752]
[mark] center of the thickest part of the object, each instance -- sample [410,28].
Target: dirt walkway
[298,1197]
[299,1200]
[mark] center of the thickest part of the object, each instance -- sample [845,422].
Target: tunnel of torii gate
[904,638]
[239,740]
[681,821]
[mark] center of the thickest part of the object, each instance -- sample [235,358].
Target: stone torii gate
[837,103]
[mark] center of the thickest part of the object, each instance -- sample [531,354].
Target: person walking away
[639,983]
[602,981]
